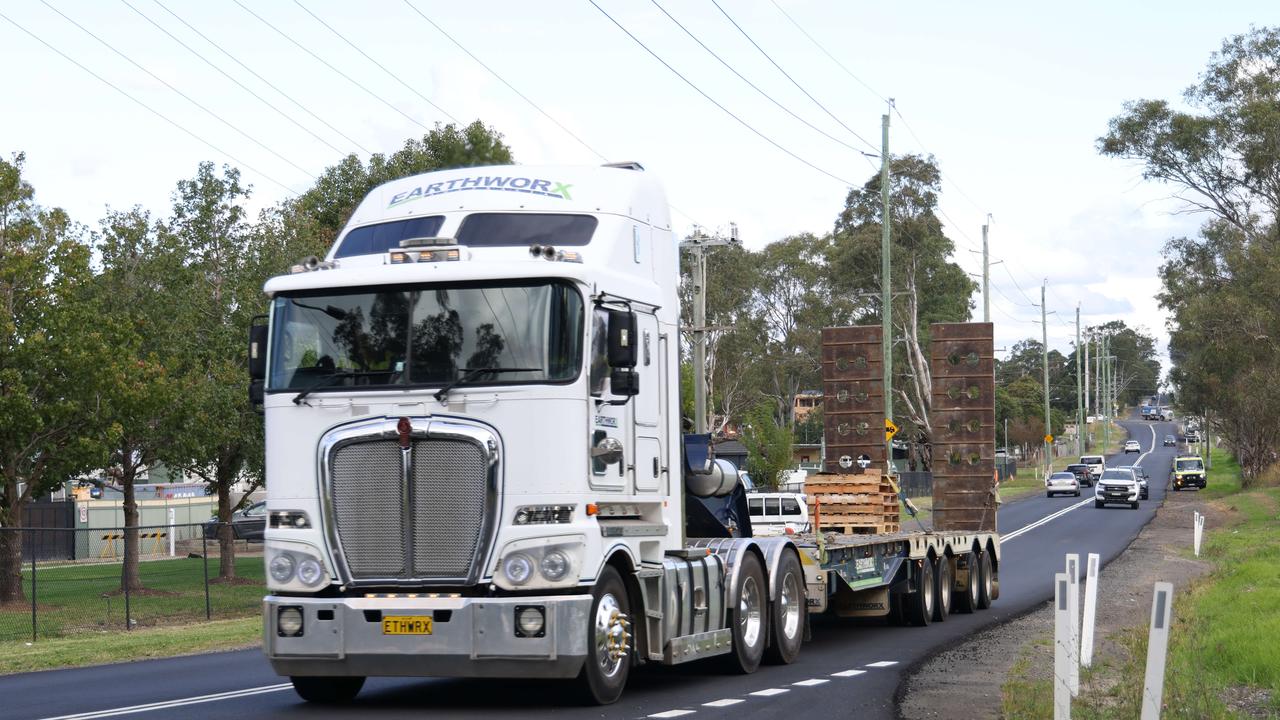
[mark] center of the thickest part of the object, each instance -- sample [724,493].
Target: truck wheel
[967,600]
[327,690]
[919,604]
[786,618]
[747,621]
[945,580]
[604,674]
[984,582]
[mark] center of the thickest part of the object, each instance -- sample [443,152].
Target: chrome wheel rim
[750,613]
[790,610]
[612,634]
[927,588]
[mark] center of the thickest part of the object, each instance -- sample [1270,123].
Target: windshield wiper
[322,380]
[470,374]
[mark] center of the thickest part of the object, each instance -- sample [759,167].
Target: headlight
[554,566]
[309,571]
[518,568]
[289,621]
[282,567]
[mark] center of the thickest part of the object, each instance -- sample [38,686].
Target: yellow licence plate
[406,625]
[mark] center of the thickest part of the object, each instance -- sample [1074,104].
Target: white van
[775,513]
[1096,464]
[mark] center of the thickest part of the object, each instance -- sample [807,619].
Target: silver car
[1064,483]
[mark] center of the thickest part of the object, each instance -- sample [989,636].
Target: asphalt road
[849,668]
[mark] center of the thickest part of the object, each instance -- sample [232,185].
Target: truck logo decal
[606,421]
[532,186]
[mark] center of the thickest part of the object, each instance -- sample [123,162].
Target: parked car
[776,513]
[1193,436]
[1082,474]
[1188,471]
[1062,483]
[1142,475]
[1170,441]
[1132,446]
[247,524]
[1117,486]
[1096,464]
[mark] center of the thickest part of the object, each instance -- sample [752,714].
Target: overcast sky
[1010,96]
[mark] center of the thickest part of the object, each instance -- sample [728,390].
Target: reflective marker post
[1157,649]
[1073,609]
[1061,643]
[1090,610]
[1199,531]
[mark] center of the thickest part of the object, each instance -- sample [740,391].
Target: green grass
[105,647]
[1225,638]
[75,599]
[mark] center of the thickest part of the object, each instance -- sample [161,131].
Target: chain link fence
[71,580]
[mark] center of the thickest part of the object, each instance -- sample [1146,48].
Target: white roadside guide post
[1199,531]
[1073,607]
[172,527]
[1157,647]
[1061,643]
[1090,611]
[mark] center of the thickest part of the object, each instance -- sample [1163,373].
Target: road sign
[889,429]
[1048,438]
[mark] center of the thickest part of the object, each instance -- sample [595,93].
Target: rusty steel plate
[962,361]
[963,426]
[852,353]
[853,396]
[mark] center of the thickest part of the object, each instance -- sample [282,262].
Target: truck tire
[604,674]
[985,595]
[919,604]
[967,599]
[787,613]
[748,618]
[327,690]
[945,579]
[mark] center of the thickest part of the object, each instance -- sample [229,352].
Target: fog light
[518,568]
[530,621]
[282,567]
[554,566]
[289,621]
[309,572]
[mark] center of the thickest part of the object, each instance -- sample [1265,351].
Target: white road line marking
[848,673]
[770,692]
[1082,503]
[883,663]
[811,682]
[723,703]
[168,704]
[672,713]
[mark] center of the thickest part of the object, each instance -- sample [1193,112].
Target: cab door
[647,407]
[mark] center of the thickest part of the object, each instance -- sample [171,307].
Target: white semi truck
[475,463]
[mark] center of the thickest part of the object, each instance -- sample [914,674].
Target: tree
[768,445]
[51,359]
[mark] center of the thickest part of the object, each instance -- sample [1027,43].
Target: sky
[1009,96]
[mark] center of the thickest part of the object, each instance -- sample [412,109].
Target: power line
[753,86]
[268,83]
[788,76]
[228,76]
[824,51]
[185,96]
[381,67]
[713,101]
[503,80]
[1005,265]
[145,106]
[326,63]
[943,175]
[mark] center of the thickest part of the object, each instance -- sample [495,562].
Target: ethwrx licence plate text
[406,625]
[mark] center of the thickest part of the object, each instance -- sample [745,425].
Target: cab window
[790,506]
[755,506]
[771,507]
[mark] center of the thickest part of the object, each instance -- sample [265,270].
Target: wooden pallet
[856,529]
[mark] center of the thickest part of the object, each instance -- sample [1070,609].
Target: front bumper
[1129,496]
[471,637]
[1182,481]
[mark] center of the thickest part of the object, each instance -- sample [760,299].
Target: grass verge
[1224,650]
[119,646]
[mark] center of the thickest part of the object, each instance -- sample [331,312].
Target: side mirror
[624,382]
[623,343]
[257,348]
[255,393]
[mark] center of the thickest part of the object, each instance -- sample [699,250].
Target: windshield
[1192,464]
[1114,474]
[426,335]
[1091,460]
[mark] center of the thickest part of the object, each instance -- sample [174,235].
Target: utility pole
[1087,343]
[1079,388]
[886,290]
[1044,355]
[986,277]
[697,243]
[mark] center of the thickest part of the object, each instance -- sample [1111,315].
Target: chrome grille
[368,507]
[448,506]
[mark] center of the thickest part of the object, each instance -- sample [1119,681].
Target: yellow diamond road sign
[889,429]
[1048,438]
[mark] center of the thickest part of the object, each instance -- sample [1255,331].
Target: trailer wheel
[944,579]
[604,674]
[919,604]
[984,582]
[748,620]
[967,600]
[786,618]
[327,690]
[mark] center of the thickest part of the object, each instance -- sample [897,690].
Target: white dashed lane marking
[672,714]
[770,692]
[811,682]
[883,663]
[848,673]
[723,703]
